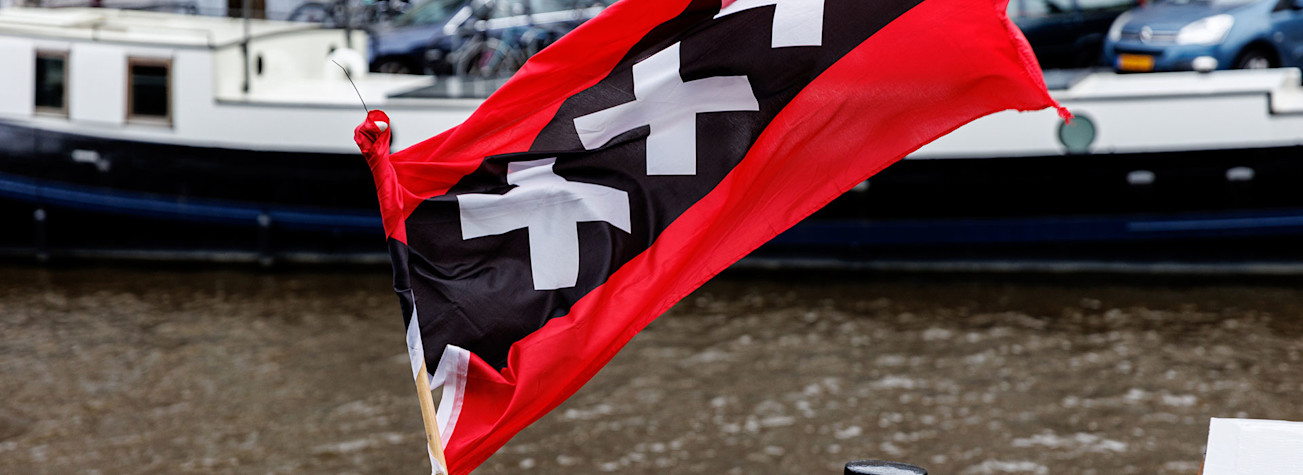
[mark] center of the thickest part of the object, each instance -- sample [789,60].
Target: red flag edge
[1030,65]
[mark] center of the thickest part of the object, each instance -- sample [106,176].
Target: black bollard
[266,256]
[882,467]
[39,237]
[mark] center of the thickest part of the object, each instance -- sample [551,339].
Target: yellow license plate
[1135,62]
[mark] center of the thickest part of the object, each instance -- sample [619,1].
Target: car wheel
[1255,59]
[1089,58]
[391,66]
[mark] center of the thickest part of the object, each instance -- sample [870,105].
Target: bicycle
[491,58]
[481,55]
[349,13]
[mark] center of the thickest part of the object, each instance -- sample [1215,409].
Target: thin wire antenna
[350,81]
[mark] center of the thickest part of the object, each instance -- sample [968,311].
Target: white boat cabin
[182,79]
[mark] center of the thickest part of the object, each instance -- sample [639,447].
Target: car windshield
[1038,8]
[428,13]
[1206,2]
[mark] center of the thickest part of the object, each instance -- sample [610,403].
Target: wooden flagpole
[428,414]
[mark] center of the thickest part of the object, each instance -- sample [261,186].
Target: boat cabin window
[149,84]
[52,82]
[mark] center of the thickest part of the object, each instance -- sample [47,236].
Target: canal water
[166,370]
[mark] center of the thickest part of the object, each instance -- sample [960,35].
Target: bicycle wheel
[478,59]
[314,12]
[462,58]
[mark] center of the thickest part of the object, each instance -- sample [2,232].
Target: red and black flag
[642,154]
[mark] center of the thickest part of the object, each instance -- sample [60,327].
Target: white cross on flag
[643,153]
[669,107]
[796,22]
[551,208]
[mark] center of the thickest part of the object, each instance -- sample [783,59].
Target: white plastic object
[1253,447]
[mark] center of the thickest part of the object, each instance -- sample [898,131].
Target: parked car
[422,40]
[400,46]
[1067,33]
[1224,34]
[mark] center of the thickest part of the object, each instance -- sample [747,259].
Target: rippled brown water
[170,371]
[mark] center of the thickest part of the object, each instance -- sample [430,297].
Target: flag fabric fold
[642,154]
